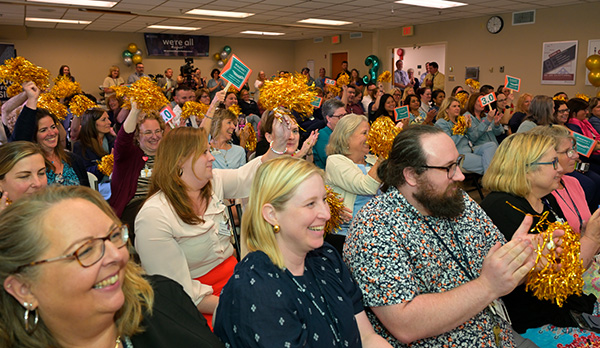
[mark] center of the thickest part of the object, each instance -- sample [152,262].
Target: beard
[448,204]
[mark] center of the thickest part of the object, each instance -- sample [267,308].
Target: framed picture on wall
[472,72]
[559,63]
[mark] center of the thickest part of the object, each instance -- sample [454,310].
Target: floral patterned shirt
[395,253]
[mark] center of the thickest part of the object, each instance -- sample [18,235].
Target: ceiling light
[323,21]
[431,3]
[270,33]
[51,20]
[220,13]
[79,2]
[171,28]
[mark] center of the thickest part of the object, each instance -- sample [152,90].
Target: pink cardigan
[565,201]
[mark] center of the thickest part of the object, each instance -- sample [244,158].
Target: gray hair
[329,107]
[338,141]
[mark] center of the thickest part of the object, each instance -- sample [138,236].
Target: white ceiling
[270,15]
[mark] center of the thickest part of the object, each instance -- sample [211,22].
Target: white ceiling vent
[523,17]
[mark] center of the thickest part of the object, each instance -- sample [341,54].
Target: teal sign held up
[585,145]
[316,102]
[401,113]
[512,83]
[236,72]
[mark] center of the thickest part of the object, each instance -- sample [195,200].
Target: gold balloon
[136,59]
[594,77]
[217,56]
[132,48]
[598,95]
[593,62]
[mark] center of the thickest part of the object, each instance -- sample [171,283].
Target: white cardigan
[346,179]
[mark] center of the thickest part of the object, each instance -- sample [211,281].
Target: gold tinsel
[462,98]
[290,92]
[192,108]
[473,84]
[235,109]
[145,93]
[63,87]
[385,76]
[461,126]
[48,101]
[562,274]
[232,89]
[381,136]
[336,206]
[560,97]
[251,141]
[343,80]
[79,104]
[120,91]
[582,96]
[19,70]
[106,164]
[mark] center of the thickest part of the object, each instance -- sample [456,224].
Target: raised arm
[11,105]
[207,120]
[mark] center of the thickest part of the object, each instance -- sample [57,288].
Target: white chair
[93,181]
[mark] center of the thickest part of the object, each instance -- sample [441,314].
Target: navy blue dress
[262,306]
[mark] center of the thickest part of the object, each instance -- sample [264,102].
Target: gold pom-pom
[106,164]
[235,109]
[562,275]
[381,136]
[48,101]
[474,84]
[192,108]
[385,76]
[336,206]
[290,92]
[79,104]
[63,87]
[19,70]
[560,97]
[232,89]
[145,93]
[120,91]
[582,96]
[343,80]
[462,98]
[461,126]
[251,141]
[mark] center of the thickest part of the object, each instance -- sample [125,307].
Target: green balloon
[227,49]
[126,53]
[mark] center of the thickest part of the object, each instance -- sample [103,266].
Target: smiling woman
[102,300]
[227,155]
[22,171]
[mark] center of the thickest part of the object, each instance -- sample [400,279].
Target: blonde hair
[175,148]
[443,113]
[520,107]
[275,183]
[217,123]
[22,241]
[12,153]
[512,162]
[114,68]
[338,141]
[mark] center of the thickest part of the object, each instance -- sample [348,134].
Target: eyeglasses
[554,163]
[149,133]
[451,169]
[571,153]
[562,111]
[339,116]
[91,251]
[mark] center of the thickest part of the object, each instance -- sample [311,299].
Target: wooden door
[336,63]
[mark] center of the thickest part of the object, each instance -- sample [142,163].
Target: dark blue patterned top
[67,178]
[262,306]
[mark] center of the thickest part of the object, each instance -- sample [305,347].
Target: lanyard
[463,262]
[576,211]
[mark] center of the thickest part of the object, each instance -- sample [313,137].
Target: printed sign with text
[167,113]
[401,113]
[330,82]
[316,102]
[585,145]
[236,72]
[512,83]
[487,99]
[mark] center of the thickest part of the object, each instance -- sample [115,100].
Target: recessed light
[79,2]
[168,27]
[268,33]
[52,20]
[323,21]
[220,13]
[432,3]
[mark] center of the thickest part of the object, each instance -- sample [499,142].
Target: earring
[276,228]
[29,308]
[180,172]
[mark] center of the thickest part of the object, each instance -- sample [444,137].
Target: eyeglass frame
[456,165]
[149,133]
[122,228]
[339,116]
[558,111]
[554,163]
[572,150]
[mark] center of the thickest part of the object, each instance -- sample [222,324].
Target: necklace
[572,206]
[330,319]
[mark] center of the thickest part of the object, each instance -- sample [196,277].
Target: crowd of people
[143,257]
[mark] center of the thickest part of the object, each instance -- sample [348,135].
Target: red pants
[217,278]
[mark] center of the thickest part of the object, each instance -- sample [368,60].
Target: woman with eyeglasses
[184,231]
[477,158]
[561,112]
[522,176]
[69,282]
